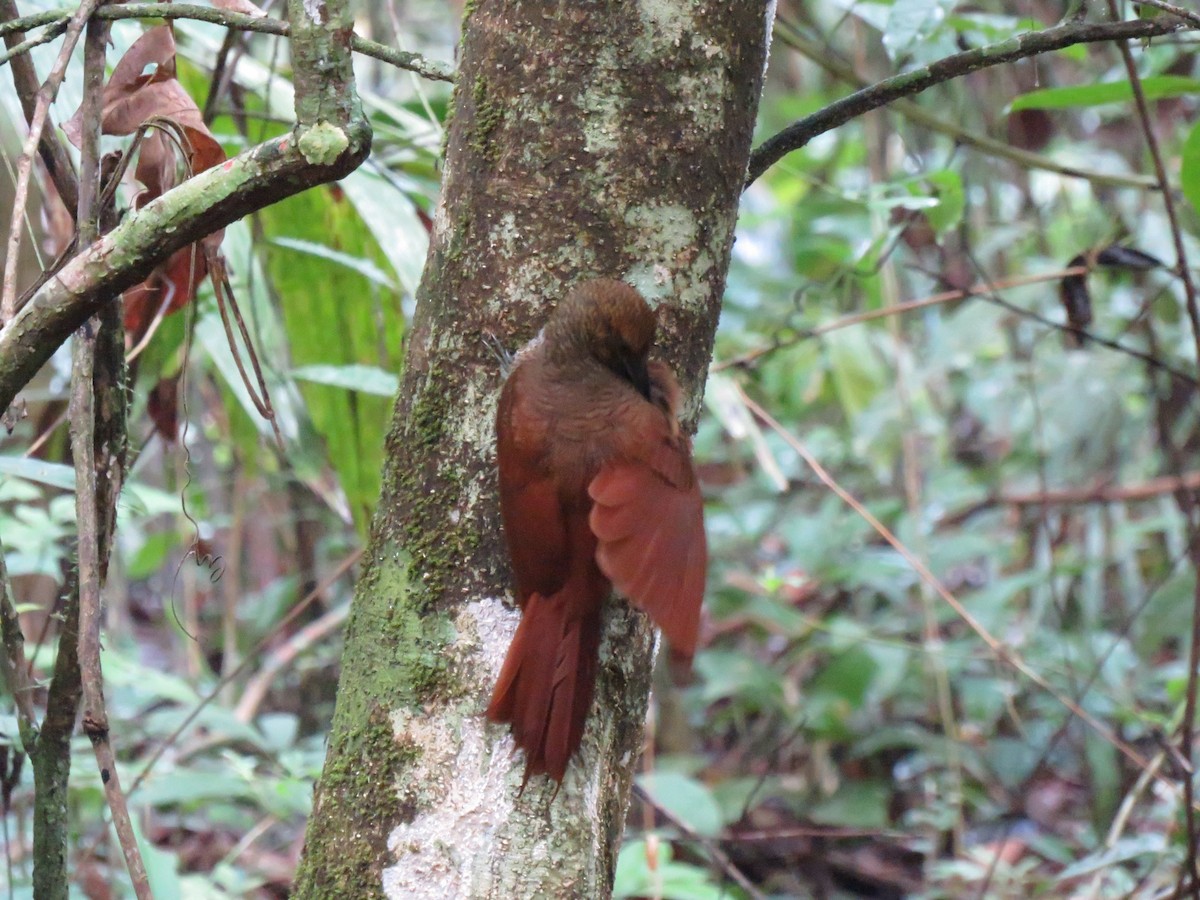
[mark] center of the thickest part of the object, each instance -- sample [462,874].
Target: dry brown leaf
[143,92]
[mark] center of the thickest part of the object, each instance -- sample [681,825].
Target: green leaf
[727,673]
[668,879]
[858,374]
[338,316]
[392,219]
[363,267]
[151,554]
[365,379]
[951,201]
[1189,174]
[51,474]
[855,804]
[912,22]
[685,798]
[187,787]
[1158,87]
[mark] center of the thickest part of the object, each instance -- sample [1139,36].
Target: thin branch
[52,756]
[907,84]
[342,568]
[401,59]
[282,656]
[227,306]
[870,315]
[1186,14]
[718,856]
[983,290]
[45,96]
[12,658]
[199,206]
[93,542]
[52,33]
[95,716]
[914,112]
[1146,490]
[53,152]
[1188,730]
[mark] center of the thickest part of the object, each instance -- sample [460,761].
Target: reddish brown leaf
[143,91]
[169,287]
[163,407]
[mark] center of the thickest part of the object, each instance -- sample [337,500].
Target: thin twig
[51,33]
[401,59]
[1154,487]
[719,856]
[45,96]
[1188,730]
[342,568]
[984,290]
[12,657]
[95,716]
[282,656]
[1186,14]
[907,84]
[94,540]
[896,309]
[25,80]
[227,306]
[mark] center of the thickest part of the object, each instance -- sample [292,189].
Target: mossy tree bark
[587,139]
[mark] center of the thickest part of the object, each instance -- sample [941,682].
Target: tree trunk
[587,139]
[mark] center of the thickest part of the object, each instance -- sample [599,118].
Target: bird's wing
[534,520]
[648,518]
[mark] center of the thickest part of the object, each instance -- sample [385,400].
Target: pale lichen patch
[433,852]
[323,143]
[666,22]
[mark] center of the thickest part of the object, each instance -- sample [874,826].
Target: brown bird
[596,489]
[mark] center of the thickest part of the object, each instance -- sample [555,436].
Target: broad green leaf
[162,866]
[669,880]
[1189,173]
[50,474]
[912,22]
[392,220]
[726,673]
[856,804]
[685,798]
[1158,87]
[337,316]
[1128,848]
[951,201]
[363,267]
[858,375]
[189,787]
[365,379]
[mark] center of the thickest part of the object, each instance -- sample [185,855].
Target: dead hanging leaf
[144,97]
[1077,301]
[1119,257]
[162,404]
[1073,289]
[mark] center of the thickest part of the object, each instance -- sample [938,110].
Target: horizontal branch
[880,94]
[413,62]
[1155,487]
[981,143]
[1080,496]
[199,206]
